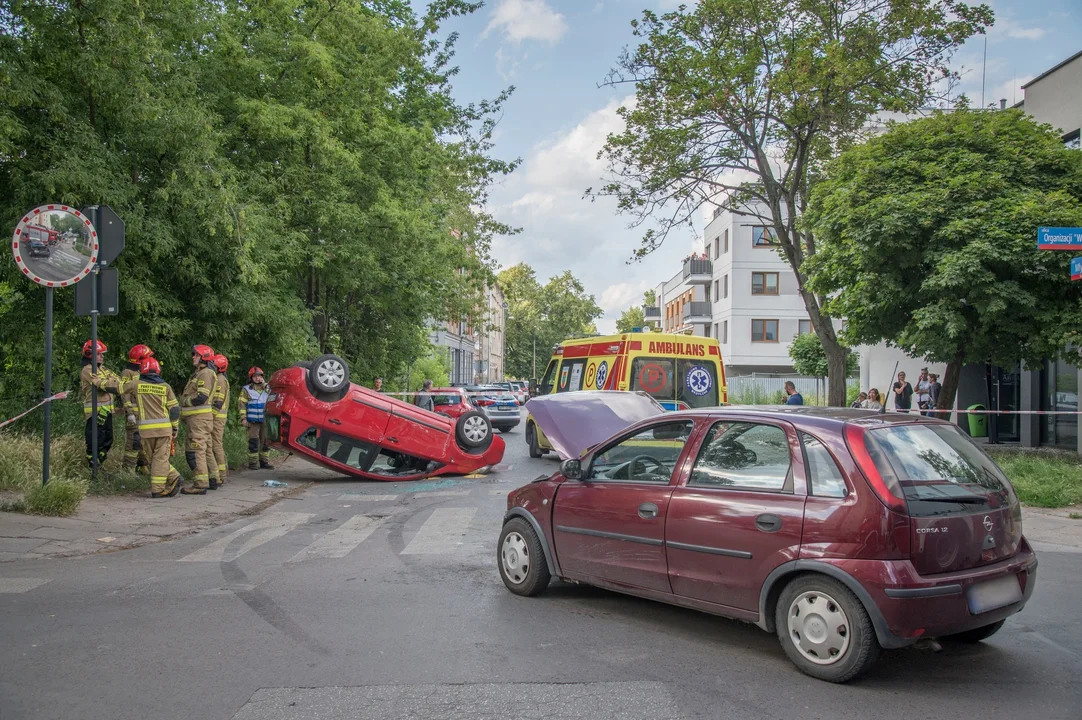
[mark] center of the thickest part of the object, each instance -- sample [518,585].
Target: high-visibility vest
[257,401]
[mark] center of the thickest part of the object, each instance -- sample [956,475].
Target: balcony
[698,271]
[652,313]
[698,312]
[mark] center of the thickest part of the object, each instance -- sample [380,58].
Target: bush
[61,497]
[851,394]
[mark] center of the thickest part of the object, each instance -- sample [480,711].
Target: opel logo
[988,523]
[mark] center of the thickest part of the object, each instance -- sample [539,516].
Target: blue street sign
[1076,268]
[1059,238]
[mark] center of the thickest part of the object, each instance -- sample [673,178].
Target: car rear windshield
[940,470]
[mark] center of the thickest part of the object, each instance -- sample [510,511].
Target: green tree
[631,318]
[928,239]
[540,316]
[806,352]
[748,99]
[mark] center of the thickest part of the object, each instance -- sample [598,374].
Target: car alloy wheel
[331,373]
[475,428]
[818,627]
[515,555]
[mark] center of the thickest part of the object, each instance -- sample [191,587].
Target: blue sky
[557,52]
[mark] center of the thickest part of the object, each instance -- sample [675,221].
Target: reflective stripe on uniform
[155,424]
[257,402]
[201,410]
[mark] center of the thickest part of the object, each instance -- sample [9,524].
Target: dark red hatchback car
[843,531]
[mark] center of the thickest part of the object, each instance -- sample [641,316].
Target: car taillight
[484,403]
[283,424]
[887,488]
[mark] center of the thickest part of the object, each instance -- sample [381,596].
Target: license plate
[994,594]
[506,406]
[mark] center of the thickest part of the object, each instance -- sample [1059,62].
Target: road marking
[444,531]
[366,498]
[443,493]
[261,531]
[20,585]
[342,540]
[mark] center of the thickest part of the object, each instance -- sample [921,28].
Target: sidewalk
[1052,530]
[126,521]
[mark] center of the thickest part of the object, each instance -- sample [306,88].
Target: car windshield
[939,469]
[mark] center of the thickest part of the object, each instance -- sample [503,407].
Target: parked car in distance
[39,248]
[497,404]
[842,531]
[313,410]
[451,402]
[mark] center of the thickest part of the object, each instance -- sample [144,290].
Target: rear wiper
[957,498]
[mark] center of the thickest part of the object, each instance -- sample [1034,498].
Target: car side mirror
[571,469]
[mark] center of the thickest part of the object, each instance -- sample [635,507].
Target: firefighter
[133,455]
[157,420]
[252,401]
[103,423]
[198,416]
[220,402]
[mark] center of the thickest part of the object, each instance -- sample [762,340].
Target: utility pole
[534,367]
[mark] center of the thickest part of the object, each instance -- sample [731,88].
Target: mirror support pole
[48,388]
[94,360]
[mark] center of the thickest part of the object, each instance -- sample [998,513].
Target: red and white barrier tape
[994,412]
[58,396]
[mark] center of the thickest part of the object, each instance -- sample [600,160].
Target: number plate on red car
[994,594]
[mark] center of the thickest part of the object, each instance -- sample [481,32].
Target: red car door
[362,414]
[611,525]
[739,515]
[417,432]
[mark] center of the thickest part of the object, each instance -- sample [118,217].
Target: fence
[756,390]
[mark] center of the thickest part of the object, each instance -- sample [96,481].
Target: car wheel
[976,635]
[824,629]
[522,559]
[329,373]
[531,440]
[474,432]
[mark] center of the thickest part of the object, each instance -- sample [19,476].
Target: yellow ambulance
[679,371]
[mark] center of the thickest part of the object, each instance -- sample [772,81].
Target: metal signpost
[54,246]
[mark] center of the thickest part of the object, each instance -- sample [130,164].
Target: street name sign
[1076,268]
[1059,238]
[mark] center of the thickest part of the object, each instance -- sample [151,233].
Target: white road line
[443,532]
[20,585]
[367,498]
[262,531]
[342,540]
[442,493]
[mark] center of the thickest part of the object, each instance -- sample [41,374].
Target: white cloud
[1010,90]
[620,296]
[522,20]
[1013,29]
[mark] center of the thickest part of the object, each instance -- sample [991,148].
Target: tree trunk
[836,372]
[950,385]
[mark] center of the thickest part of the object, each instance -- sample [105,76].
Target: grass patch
[1042,480]
[118,483]
[18,506]
[59,498]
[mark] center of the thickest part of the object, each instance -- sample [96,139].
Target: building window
[763,236]
[707,253]
[804,327]
[725,331]
[764,330]
[717,291]
[717,248]
[715,331]
[725,286]
[764,283]
[726,239]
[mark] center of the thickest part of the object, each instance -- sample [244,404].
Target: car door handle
[768,523]
[332,421]
[392,440]
[647,511]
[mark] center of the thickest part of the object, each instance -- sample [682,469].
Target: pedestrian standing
[794,398]
[922,390]
[198,416]
[252,403]
[935,389]
[134,457]
[220,403]
[102,424]
[874,401]
[424,398]
[157,420]
[903,394]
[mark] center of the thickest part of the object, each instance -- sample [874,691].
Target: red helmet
[221,362]
[87,348]
[149,365]
[205,352]
[254,371]
[138,352]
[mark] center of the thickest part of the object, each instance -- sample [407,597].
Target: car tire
[329,374]
[473,431]
[976,635]
[521,559]
[807,609]
[531,440]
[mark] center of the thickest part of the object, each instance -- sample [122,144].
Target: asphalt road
[382,600]
[63,263]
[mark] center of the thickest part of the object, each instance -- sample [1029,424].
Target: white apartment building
[755,309]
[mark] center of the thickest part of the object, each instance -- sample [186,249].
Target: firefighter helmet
[255,371]
[149,365]
[138,352]
[221,362]
[205,352]
[87,348]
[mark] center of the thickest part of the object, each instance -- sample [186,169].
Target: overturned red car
[315,411]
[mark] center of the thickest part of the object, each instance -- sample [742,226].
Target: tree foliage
[806,352]
[633,317]
[748,99]
[295,176]
[542,315]
[928,239]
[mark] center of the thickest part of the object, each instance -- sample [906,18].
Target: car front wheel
[531,440]
[521,559]
[824,629]
[329,373]
[473,431]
